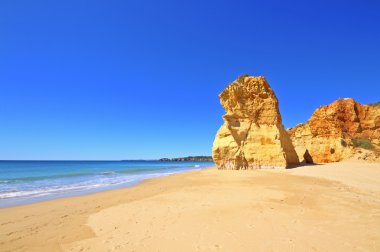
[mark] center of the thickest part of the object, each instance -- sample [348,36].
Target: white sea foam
[58,189]
[107,173]
[88,185]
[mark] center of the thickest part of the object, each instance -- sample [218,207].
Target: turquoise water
[23,182]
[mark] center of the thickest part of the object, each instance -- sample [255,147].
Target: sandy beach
[331,207]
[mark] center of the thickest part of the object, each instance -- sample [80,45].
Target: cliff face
[338,131]
[252,135]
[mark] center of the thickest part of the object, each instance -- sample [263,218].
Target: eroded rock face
[252,135]
[330,134]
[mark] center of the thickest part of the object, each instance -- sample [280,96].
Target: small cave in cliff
[343,143]
[308,158]
[240,162]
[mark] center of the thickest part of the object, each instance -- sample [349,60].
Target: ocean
[23,182]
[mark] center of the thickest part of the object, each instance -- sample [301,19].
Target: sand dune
[335,207]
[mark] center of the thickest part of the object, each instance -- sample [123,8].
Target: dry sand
[334,207]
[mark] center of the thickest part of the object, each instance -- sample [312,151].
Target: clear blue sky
[140,79]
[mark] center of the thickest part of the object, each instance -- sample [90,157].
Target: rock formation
[338,131]
[252,135]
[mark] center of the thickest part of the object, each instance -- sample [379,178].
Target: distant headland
[189,158]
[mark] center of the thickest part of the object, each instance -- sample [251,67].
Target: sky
[110,80]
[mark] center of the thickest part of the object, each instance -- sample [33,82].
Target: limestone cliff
[252,135]
[338,131]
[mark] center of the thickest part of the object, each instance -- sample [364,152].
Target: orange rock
[331,133]
[252,135]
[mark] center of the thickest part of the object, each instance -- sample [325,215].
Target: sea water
[23,182]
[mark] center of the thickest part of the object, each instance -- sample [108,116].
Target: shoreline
[205,209]
[105,190]
[22,193]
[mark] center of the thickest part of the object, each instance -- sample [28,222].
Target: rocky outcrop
[338,131]
[252,135]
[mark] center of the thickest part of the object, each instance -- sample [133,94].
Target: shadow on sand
[302,164]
